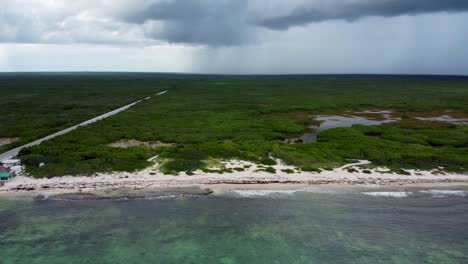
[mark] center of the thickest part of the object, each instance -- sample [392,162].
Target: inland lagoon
[334,121]
[242,226]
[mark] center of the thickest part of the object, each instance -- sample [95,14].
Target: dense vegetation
[36,105]
[218,117]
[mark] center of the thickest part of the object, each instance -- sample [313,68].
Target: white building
[11,163]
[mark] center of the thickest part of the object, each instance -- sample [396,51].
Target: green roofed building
[5,174]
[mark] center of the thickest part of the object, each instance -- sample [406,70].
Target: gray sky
[235,36]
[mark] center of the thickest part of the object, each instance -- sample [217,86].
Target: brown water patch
[435,119]
[377,115]
[415,123]
[445,119]
[303,116]
[371,114]
[428,114]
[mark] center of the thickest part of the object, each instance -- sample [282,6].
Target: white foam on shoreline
[257,193]
[281,192]
[389,194]
[251,175]
[445,193]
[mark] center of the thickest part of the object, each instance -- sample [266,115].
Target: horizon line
[233,74]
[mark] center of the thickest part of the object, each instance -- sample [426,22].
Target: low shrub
[402,172]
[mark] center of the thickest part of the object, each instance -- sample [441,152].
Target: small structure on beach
[5,174]
[9,169]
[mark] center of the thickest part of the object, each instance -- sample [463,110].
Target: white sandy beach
[151,178]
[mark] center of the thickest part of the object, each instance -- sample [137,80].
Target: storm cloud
[212,22]
[319,11]
[196,22]
[236,36]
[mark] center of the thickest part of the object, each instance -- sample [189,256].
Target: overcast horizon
[235,36]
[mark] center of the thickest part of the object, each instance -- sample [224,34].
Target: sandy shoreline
[151,178]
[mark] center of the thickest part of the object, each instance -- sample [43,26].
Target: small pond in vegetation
[334,121]
[369,118]
[446,119]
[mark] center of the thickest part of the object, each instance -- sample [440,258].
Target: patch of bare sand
[124,143]
[7,141]
[251,175]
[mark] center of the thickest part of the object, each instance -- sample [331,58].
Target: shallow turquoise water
[347,227]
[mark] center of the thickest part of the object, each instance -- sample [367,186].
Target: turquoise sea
[317,226]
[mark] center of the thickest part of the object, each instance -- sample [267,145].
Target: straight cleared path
[14,152]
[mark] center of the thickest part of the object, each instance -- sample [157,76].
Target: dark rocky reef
[126,194]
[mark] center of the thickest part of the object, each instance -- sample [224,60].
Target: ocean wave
[445,193]
[280,192]
[389,194]
[256,193]
[259,193]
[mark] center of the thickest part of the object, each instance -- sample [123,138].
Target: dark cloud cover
[212,22]
[216,23]
[231,22]
[193,22]
[358,9]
